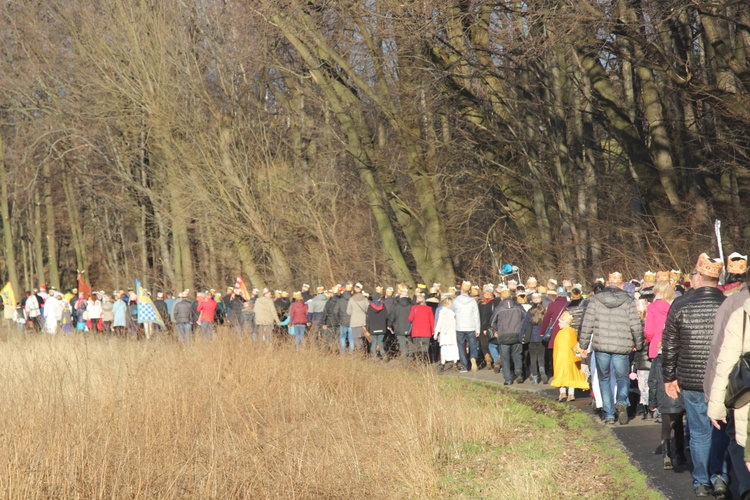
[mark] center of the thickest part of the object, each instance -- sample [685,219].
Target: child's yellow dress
[566,365]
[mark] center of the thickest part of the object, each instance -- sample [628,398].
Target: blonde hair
[664,290]
[446,302]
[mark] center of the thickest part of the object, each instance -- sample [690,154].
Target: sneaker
[571,397]
[622,413]
[545,380]
[720,488]
[609,421]
[507,383]
[463,370]
[519,379]
[474,366]
[442,367]
[561,398]
[703,490]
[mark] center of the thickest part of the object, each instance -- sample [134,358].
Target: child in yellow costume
[567,366]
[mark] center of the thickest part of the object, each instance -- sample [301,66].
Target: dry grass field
[109,418]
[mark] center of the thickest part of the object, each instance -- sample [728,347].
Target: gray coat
[182,311]
[612,319]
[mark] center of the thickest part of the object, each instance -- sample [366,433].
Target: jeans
[494,351]
[265,332]
[718,463]
[377,345]
[345,332]
[405,346]
[461,338]
[700,435]
[208,329]
[620,363]
[737,456]
[508,352]
[183,332]
[299,334]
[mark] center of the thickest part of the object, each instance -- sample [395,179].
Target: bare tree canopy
[185,142]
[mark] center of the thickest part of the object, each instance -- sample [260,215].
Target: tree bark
[49,210]
[38,248]
[10,253]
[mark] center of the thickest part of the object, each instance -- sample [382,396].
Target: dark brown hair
[537,312]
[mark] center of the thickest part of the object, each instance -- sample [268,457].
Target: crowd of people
[661,346]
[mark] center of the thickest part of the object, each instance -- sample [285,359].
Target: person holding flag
[148,315]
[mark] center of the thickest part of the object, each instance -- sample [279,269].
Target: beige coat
[265,312]
[729,354]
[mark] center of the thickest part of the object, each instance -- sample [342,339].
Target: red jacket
[207,308]
[298,313]
[422,321]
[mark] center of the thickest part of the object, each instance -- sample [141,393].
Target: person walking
[685,347]
[468,326]
[422,321]
[567,360]
[505,324]
[182,311]
[356,309]
[377,324]
[398,320]
[266,317]
[298,319]
[612,326]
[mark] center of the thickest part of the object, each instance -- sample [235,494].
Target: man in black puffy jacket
[685,348]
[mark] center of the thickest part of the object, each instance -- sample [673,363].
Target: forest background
[183,142]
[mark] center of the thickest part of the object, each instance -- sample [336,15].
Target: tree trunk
[38,249]
[10,253]
[75,224]
[54,276]
[248,264]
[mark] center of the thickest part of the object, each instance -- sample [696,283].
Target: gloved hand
[585,370]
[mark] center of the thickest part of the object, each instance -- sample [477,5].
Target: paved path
[641,439]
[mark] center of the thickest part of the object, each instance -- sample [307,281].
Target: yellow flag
[9,300]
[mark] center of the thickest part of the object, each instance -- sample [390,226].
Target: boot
[519,378]
[544,376]
[488,361]
[474,365]
[666,450]
[534,379]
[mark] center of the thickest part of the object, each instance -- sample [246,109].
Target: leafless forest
[185,141]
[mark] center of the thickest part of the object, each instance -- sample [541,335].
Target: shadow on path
[641,438]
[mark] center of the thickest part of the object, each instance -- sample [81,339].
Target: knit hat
[375,296]
[736,263]
[708,266]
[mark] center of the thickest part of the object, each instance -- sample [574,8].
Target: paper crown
[319,289]
[566,318]
[512,284]
[403,288]
[297,295]
[531,281]
[379,289]
[737,264]
[675,274]
[505,294]
[708,266]
[422,286]
[284,294]
[662,276]
[649,277]
[488,288]
[551,282]
[436,285]
[466,286]
[567,283]
[614,278]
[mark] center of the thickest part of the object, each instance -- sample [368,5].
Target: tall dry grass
[93,417]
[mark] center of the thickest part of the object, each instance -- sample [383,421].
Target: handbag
[738,389]
[368,336]
[548,332]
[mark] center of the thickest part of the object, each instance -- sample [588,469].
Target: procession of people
[660,346]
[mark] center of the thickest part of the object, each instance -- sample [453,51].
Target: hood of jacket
[346,295]
[613,297]
[377,305]
[359,298]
